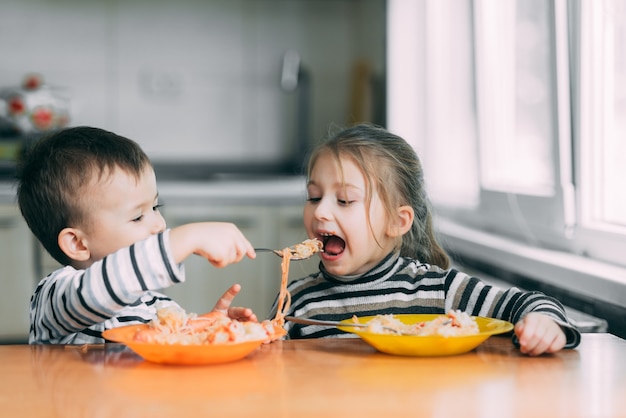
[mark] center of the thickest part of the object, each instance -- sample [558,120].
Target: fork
[306,321]
[279,253]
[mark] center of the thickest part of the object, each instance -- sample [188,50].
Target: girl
[367,203]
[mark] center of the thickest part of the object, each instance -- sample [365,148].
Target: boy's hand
[221,243]
[240,314]
[538,333]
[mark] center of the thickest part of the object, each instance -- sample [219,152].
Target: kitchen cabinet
[265,225]
[17,279]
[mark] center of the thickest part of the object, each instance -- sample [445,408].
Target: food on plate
[303,250]
[175,326]
[453,324]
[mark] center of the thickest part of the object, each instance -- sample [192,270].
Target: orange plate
[179,353]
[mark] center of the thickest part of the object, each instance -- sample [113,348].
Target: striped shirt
[73,306]
[401,285]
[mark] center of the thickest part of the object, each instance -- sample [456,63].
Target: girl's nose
[323,210]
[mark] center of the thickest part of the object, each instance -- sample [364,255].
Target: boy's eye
[156,207]
[138,218]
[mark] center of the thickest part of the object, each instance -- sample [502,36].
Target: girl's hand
[240,314]
[538,333]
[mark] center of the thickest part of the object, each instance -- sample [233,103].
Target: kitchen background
[204,81]
[226,96]
[226,93]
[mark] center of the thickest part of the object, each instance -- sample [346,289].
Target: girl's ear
[72,243]
[402,222]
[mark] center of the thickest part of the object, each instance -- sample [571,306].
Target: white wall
[193,79]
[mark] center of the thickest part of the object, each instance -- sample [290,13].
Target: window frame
[554,239]
[594,238]
[565,220]
[544,220]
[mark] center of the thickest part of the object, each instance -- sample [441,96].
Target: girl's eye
[345,202]
[314,199]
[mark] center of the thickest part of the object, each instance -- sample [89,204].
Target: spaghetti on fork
[303,250]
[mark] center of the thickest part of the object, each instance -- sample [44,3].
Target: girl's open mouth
[333,245]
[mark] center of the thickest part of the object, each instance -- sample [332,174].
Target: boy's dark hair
[54,170]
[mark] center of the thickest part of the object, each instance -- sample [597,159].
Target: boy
[90,197]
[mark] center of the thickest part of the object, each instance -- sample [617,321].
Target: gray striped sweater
[400,285]
[73,306]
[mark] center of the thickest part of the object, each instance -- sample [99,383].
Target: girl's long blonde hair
[391,166]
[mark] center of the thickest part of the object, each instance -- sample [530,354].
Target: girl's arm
[544,331]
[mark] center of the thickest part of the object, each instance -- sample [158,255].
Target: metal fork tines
[280,253]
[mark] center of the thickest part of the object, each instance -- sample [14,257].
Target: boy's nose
[159,224]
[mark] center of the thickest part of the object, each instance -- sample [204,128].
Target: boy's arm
[71,300]
[219,242]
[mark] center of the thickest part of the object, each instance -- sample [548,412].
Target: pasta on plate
[175,326]
[454,323]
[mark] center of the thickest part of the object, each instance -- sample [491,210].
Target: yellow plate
[432,345]
[179,353]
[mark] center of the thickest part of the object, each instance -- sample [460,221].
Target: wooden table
[318,378]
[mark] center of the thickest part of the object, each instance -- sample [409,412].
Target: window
[521,117]
[430,71]
[602,127]
[515,99]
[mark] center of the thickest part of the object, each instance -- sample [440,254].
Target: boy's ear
[73,245]
[402,222]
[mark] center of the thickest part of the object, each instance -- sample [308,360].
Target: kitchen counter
[318,377]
